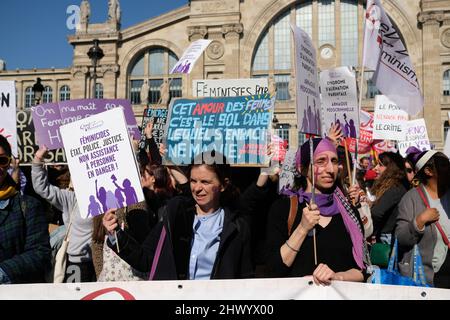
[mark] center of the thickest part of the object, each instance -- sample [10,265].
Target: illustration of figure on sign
[94,207]
[128,190]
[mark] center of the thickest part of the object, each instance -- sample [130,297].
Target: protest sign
[308,95]
[279,146]
[229,87]
[389,120]
[158,116]
[385,146]
[287,173]
[339,101]
[102,163]
[47,118]
[8,113]
[238,127]
[26,141]
[190,56]
[416,135]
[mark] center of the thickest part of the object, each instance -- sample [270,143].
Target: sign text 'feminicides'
[237,127]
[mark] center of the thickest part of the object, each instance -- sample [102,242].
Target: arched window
[446,83]
[98,91]
[334,23]
[29,97]
[64,93]
[154,66]
[47,95]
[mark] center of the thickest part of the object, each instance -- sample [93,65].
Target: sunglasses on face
[5,161]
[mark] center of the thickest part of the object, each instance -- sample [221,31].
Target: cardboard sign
[102,163]
[190,56]
[287,173]
[26,141]
[8,113]
[229,87]
[308,94]
[389,120]
[339,101]
[416,135]
[158,117]
[237,127]
[48,118]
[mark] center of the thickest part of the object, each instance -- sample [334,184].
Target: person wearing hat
[423,218]
[340,247]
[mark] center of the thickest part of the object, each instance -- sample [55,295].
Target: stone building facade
[251,38]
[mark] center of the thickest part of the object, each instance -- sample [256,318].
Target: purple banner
[49,117]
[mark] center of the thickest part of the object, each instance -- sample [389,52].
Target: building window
[446,83]
[29,97]
[64,93]
[372,90]
[47,95]
[282,39]
[282,84]
[154,66]
[304,17]
[135,94]
[98,91]
[261,60]
[175,88]
[349,33]
[327,26]
[155,94]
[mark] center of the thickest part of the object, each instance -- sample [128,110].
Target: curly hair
[393,176]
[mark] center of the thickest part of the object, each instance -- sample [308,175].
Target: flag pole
[313,191]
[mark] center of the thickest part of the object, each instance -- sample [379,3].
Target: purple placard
[49,117]
[47,120]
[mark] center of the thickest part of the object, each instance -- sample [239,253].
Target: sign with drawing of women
[339,101]
[308,95]
[102,163]
[8,113]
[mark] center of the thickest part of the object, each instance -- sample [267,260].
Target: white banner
[102,164]
[385,53]
[340,101]
[308,95]
[229,87]
[389,120]
[190,56]
[416,135]
[254,289]
[8,122]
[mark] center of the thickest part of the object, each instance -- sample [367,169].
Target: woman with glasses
[24,240]
[389,187]
[341,253]
[423,218]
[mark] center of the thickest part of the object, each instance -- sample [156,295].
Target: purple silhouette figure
[101,196]
[305,127]
[94,208]
[352,128]
[311,120]
[119,197]
[346,130]
[128,190]
[186,68]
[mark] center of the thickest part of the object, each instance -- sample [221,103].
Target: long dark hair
[393,176]
[440,165]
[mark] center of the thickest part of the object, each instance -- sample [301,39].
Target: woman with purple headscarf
[341,251]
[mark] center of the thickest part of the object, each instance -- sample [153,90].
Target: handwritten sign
[416,135]
[339,101]
[26,140]
[389,120]
[102,163]
[237,127]
[287,174]
[190,56]
[229,87]
[308,94]
[158,117]
[49,117]
[8,113]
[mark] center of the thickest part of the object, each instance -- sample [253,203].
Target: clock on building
[326,52]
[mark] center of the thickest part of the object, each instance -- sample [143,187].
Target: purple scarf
[330,205]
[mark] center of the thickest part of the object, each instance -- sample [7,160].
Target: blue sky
[33,33]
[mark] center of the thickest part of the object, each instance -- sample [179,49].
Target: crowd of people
[213,221]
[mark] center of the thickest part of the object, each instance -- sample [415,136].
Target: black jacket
[233,258]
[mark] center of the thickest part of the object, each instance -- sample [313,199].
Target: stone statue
[165,93]
[145,89]
[85,13]
[272,87]
[114,13]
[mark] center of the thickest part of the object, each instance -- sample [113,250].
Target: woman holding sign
[201,237]
[340,247]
